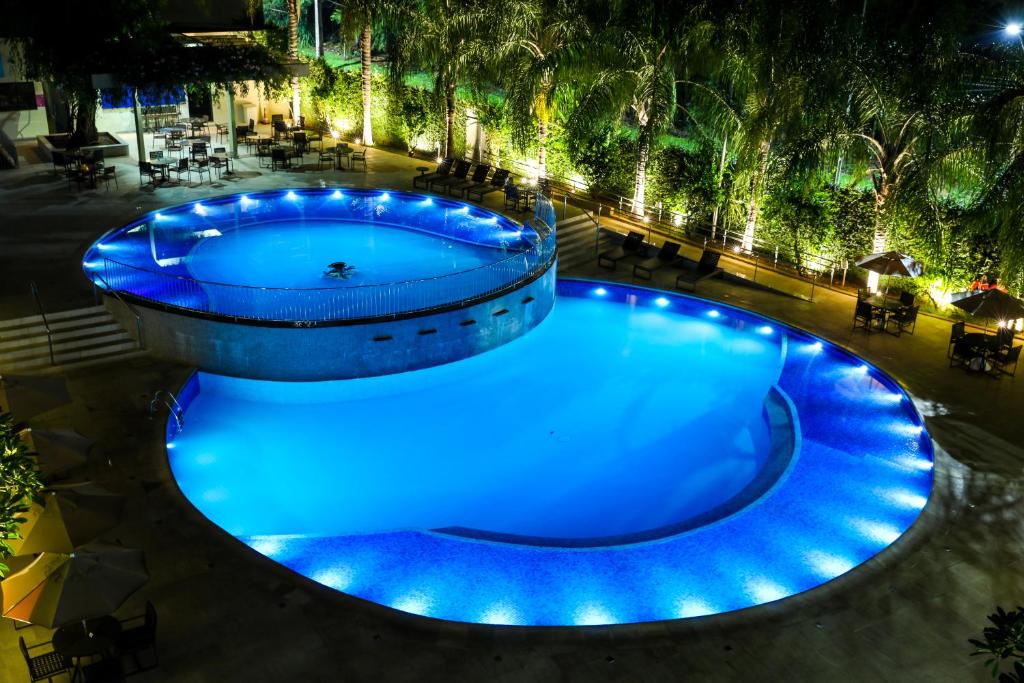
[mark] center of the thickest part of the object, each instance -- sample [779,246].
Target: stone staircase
[576,242]
[82,337]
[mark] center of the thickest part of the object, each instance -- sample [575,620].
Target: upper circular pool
[318,255]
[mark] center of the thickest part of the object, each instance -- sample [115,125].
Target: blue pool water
[266,255]
[638,456]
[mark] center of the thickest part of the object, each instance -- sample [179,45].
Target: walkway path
[225,615]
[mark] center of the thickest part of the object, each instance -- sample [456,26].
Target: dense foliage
[19,481]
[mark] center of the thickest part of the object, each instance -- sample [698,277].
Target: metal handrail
[46,324]
[158,399]
[131,309]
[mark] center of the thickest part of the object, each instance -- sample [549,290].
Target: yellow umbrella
[69,516]
[57,589]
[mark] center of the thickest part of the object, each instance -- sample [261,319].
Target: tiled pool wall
[253,351]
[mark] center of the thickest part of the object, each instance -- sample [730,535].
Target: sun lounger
[666,256]
[479,177]
[457,175]
[443,169]
[496,184]
[631,246]
[706,267]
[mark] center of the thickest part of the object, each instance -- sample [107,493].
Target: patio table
[343,151]
[93,639]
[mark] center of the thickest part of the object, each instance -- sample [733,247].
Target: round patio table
[422,169]
[75,641]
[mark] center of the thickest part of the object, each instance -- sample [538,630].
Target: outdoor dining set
[59,575]
[84,167]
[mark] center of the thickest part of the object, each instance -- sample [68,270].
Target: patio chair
[60,163]
[222,132]
[903,318]
[280,128]
[109,173]
[197,150]
[242,138]
[139,638]
[200,167]
[264,152]
[325,156]
[956,333]
[631,246]
[496,184]
[864,317]
[219,160]
[300,143]
[1004,358]
[279,157]
[907,299]
[157,154]
[147,170]
[443,169]
[707,267]
[1004,337]
[43,666]
[174,144]
[479,177]
[514,199]
[358,157]
[667,255]
[458,174]
[182,167]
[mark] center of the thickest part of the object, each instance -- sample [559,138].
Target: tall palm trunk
[366,44]
[449,119]
[643,155]
[721,177]
[293,53]
[883,191]
[755,192]
[543,113]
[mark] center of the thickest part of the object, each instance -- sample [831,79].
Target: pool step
[576,242]
[81,337]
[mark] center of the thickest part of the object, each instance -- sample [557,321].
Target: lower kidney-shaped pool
[638,456]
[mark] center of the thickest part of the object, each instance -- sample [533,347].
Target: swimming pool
[637,456]
[318,255]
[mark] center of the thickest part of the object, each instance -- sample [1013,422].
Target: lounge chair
[666,256]
[706,267]
[479,177]
[496,184]
[630,246]
[457,175]
[443,169]
[903,317]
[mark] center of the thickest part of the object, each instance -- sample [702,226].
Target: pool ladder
[162,397]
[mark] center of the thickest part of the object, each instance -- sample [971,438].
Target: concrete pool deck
[226,614]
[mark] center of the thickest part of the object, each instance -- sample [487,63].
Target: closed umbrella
[890,263]
[25,396]
[69,517]
[991,303]
[58,589]
[56,450]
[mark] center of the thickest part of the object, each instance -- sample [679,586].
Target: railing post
[725,236]
[599,207]
[757,259]
[46,324]
[814,281]
[776,263]
[565,205]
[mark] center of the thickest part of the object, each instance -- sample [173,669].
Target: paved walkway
[228,615]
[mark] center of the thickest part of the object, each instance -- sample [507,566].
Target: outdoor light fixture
[661,301]
[764,329]
[1013,29]
[600,291]
[200,209]
[714,314]
[384,196]
[337,194]
[428,201]
[291,195]
[438,159]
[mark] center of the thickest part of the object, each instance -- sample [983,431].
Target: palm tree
[440,36]
[292,7]
[538,43]
[362,17]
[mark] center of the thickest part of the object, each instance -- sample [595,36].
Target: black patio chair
[478,177]
[631,246]
[139,638]
[496,184]
[147,170]
[107,174]
[43,666]
[907,299]
[60,163]
[1004,337]
[300,143]
[219,161]
[201,166]
[956,333]
[443,169]
[666,256]
[358,158]
[904,319]
[182,168]
[864,317]
[514,199]
[264,152]
[156,154]
[458,174]
[707,267]
[279,158]
[1002,359]
[325,156]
